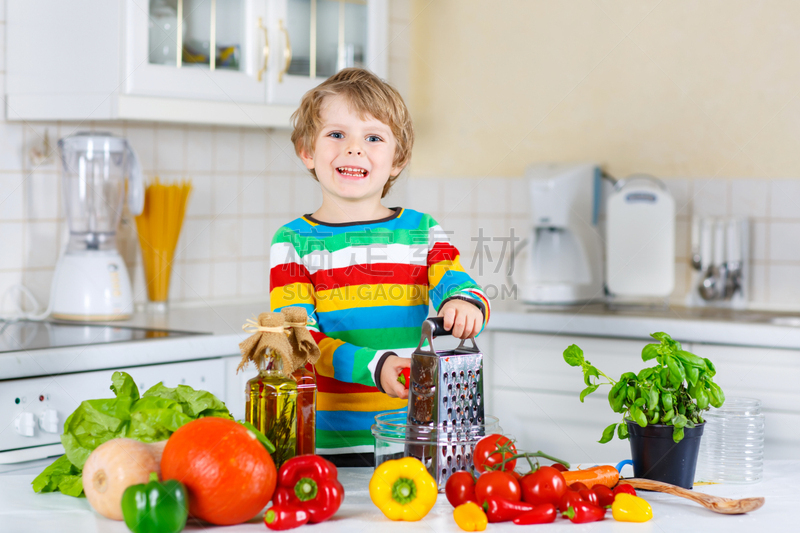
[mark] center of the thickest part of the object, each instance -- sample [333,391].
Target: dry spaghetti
[159,227]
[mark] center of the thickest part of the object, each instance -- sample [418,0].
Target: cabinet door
[198,49]
[313,39]
[535,394]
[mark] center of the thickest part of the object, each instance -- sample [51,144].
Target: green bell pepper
[155,507]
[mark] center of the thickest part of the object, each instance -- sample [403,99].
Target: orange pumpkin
[229,475]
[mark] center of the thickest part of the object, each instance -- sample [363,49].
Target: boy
[363,271]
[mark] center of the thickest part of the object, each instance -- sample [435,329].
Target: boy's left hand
[465,318]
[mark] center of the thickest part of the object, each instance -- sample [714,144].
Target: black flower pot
[656,456]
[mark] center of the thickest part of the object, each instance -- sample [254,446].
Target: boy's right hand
[392,367]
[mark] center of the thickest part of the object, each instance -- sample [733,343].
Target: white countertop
[223,326]
[21,510]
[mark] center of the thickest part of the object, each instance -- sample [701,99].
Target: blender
[91,282]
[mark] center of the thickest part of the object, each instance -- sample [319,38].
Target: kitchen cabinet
[535,393]
[233,62]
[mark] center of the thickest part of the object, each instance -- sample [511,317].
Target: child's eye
[373,138]
[336,135]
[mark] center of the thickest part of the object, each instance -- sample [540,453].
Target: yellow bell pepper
[470,517]
[630,508]
[403,489]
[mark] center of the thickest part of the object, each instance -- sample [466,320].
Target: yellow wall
[691,88]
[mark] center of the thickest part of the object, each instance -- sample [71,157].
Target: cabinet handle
[287,52]
[265,52]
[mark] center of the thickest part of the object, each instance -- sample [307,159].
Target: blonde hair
[366,94]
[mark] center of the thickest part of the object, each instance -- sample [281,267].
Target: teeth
[349,171]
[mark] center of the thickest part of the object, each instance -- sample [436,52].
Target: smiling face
[353,156]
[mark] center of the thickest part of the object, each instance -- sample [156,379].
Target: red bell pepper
[578,486]
[504,510]
[605,496]
[540,514]
[583,512]
[309,482]
[627,488]
[405,377]
[279,517]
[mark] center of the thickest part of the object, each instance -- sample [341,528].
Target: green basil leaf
[652,400]
[622,430]
[668,416]
[573,355]
[608,434]
[710,368]
[630,393]
[666,401]
[627,376]
[702,398]
[638,416]
[588,372]
[639,402]
[661,336]
[677,374]
[650,352]
[679,421]
[677,434]
[690,359]
[692,374]
[718,397]
[588,390]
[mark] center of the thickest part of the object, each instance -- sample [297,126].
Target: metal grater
[445,399]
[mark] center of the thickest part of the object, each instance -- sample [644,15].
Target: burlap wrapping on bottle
[261,343]
[303,345]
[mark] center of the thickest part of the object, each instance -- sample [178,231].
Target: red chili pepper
[569,498]
[405,377]
[578,486]
[280,517]
[626,488]
[503,510]
[583,512]
[309,482]
[605,496]
[559,467]
[590,496]
[541,514]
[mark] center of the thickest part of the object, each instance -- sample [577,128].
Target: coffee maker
[564,263]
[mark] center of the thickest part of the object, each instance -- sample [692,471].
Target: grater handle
[436,323]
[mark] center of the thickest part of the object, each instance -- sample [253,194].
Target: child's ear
[397,170]
[308,159]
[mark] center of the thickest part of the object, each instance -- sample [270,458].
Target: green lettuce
[150,418]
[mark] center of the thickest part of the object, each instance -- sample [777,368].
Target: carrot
[597,475]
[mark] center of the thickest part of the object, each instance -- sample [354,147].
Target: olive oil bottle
[272,409]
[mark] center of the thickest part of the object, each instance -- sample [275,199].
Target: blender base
[91,286]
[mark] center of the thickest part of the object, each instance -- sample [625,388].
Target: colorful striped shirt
[368,286]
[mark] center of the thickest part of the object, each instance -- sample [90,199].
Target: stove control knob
[48,421]
[24,424]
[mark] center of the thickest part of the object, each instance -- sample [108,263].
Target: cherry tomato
[559,467]
[569,499]
[544,485]
[460,488]
[498,483]
[626,488]
[589,496]
[578,486]
[487,453]
[605,496]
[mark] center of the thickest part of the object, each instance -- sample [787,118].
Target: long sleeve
[292,284]
[448,279]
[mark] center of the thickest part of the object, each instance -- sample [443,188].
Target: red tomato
[570,498]
[605,496]
[589,496]
[559,467]
[488,453]
[500,484]
[626,488]
[545,485]
[578,486]
[460,488]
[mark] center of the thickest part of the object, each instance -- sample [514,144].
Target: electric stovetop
[36,335]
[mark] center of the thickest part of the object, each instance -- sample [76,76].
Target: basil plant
[673,392]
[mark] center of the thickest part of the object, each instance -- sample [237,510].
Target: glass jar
[732,447]
[272,408]
[306,410]
[442,451]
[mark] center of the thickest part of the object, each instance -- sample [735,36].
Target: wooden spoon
[717,504]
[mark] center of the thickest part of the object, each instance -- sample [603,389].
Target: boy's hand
[465,318]
[392,367]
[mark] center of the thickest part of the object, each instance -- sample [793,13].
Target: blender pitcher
[91,281]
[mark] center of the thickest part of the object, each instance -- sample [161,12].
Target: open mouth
[352,172]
